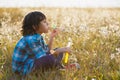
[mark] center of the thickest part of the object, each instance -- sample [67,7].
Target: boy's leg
[44,63]
[59,57]
[48,62]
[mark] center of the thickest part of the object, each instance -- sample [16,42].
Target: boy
[31,52]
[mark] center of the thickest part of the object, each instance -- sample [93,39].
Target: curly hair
[30,20]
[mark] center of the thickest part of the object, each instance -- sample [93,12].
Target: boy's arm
[50,43]
[53,34]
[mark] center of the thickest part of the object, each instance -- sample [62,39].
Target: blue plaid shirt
[28,49]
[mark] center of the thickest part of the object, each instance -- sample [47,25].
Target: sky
[60,3]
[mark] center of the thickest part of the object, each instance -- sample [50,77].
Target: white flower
[84,27]
[94,54]
[118,49]
[2,67]
[112,56]
[103,31]
[93,79]
[113,27]
[117,53]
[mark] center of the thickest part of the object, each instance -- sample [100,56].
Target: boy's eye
[44,21]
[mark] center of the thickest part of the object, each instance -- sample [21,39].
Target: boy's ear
[34,27]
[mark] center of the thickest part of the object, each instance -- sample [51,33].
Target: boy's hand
[63,50]
[54,33]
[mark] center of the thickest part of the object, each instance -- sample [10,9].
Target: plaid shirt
[28,49]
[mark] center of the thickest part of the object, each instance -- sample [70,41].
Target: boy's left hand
[54,32]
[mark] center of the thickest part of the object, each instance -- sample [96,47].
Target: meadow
[95,34]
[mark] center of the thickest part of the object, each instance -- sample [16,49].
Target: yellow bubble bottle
[66,56]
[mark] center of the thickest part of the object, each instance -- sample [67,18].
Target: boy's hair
[31,20]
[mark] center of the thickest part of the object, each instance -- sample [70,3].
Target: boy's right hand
[63,50]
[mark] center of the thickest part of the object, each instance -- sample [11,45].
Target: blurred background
[60,3]
[93,26]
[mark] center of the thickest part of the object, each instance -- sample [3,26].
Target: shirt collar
[38,36]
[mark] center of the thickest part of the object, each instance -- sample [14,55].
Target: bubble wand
[54,26]
[67,54]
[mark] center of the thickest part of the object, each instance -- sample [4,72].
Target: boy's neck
[39,33]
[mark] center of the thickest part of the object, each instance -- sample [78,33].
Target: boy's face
[43,27]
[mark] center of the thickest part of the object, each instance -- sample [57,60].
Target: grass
[95,34]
